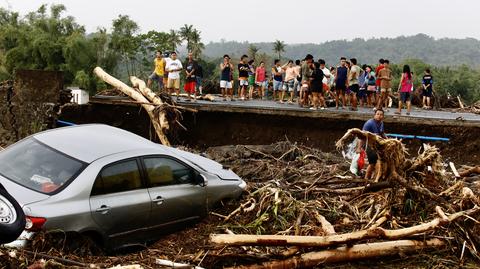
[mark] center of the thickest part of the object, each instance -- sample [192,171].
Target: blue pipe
[428,138]
[61,123]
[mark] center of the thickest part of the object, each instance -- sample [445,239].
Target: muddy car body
[110,184]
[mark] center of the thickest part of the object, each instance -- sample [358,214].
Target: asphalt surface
[268,104]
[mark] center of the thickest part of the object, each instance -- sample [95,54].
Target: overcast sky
[298,21]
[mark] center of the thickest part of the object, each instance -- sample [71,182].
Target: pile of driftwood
[303,210]
[163,112]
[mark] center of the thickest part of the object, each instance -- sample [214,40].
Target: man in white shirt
[173,67]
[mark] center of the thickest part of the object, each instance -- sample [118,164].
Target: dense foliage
[47,39]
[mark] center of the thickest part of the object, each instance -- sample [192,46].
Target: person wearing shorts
[405,88]
[289,83]
[370,81]
[385,76]
[306,74]
[260,79]
[374,126]
[173,66]
[158,72]
[341,82]
[243,70]
[316,87]
[225,74]
[251,79]
[427,84]
[190,78]
[277,78]
[353,83]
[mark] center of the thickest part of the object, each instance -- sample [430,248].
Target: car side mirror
[201,180]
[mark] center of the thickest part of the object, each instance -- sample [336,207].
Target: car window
[166,171]
[118,177]
[39,167]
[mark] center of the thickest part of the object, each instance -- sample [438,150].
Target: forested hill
[441,52]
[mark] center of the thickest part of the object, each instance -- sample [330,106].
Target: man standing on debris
[159,70]
[374,126]
[174,66]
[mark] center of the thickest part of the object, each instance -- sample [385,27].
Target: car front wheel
[12,218]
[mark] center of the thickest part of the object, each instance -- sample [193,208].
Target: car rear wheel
[12,218]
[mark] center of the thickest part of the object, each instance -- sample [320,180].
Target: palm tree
[186,32]
[174,39]
[253,50]
[196,45]
[279,47]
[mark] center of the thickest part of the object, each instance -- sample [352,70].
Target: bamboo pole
[345,254]
[137,97]
[337,239]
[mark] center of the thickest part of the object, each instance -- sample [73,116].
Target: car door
[119,202]
[175,192]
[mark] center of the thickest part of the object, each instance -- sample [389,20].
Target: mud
[206,129]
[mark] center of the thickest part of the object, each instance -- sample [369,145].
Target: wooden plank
[454,170]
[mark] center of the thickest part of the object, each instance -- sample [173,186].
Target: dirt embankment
[206,129]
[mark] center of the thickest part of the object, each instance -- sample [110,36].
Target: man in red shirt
[381,65]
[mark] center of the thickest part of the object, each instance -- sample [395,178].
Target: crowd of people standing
[307,82]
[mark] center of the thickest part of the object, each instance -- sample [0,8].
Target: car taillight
[34,223]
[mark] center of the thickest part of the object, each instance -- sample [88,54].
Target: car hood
[24,196]
[206,164]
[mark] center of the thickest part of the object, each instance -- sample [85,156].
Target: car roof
[90,142]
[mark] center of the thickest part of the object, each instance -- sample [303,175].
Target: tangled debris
[303,208]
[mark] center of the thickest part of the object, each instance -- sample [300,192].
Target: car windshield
[37,166]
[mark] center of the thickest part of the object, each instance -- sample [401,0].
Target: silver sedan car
[110,184]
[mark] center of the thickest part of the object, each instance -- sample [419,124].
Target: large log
[137,97]
[153,98]
[468,172]
[337,239]
[345,254]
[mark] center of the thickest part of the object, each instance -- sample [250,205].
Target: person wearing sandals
[405,89]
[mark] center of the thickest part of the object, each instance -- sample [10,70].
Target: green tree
[279,48]
[252,51]
[174,40]
[196,44]
[185,33]
[125,42]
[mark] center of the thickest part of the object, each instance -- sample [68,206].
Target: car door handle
[103,209]
[159,200]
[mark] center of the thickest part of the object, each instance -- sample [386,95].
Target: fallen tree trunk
[345,254]
[337,239]
[468,172]
[137,97]
[152,97]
